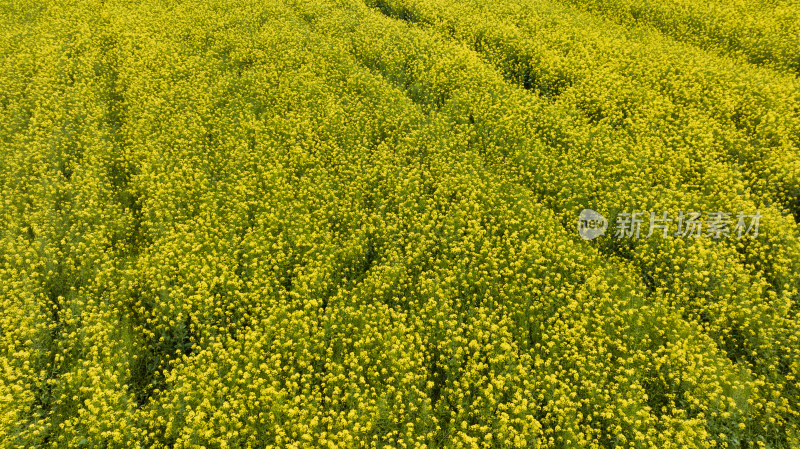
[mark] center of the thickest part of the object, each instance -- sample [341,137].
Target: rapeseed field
[400,224]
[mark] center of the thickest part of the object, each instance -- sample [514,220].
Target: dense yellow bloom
[347,223]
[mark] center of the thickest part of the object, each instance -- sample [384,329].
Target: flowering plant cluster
[351,223]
